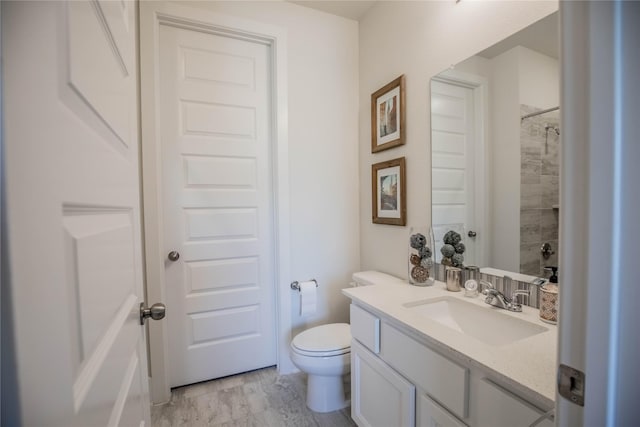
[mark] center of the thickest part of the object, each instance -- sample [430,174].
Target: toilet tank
[372,277]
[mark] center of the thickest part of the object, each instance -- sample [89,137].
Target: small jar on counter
[549,298]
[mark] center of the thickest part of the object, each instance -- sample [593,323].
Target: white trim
[151,15]
[480,87]
[599,210]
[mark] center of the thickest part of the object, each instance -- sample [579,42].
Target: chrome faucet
[484,286]
[498,299]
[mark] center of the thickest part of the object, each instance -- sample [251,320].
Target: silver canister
[454,279]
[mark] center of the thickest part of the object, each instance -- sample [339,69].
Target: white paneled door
[71,140]
[215,131]
[453,164]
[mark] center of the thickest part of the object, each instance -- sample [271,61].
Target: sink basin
[485,324]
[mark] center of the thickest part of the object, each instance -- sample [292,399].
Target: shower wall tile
[550,166]
[530,258]
[530,226]
[539,190]
[530,171]
[548,224]
[531,151]
[530,196]
[550,191]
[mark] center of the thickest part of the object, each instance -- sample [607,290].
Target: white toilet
[324,353]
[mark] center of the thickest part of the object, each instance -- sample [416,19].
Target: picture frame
[388,116]
[389,192]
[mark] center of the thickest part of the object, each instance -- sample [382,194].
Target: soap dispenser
[549,297]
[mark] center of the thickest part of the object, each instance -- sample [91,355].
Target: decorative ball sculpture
[447,250]
[452,249]
[457,260]
[426,263]
[419,274]
[452,237]
[417,241]
[420,259]
[424,252]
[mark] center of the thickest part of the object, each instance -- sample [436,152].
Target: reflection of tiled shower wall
[539,190]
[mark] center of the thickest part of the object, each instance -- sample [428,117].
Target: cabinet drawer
[365,327]
[497,407]
[445,381]
[430,414]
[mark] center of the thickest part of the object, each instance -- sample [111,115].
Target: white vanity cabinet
[430,414]
[379,395]
[398,380]
[500,408]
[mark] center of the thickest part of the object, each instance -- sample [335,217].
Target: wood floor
[259,398]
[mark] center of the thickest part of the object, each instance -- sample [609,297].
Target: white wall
[419,39]
[322,53]
[539,79]
[504,163]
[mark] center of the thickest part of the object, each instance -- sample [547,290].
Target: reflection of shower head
[556,129]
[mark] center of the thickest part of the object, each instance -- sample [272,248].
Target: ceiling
[542,36]
[348,9]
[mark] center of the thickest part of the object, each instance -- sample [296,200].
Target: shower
[548,127]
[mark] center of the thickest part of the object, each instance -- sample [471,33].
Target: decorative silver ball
[448,237]
[460,248]
[455,238]
[426,263]
[457,260]
[425,252]
[448,251]
[419,274]
[417,241]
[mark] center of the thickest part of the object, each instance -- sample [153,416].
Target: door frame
[480,87]
[152,15]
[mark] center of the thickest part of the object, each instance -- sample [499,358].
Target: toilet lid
[334,337]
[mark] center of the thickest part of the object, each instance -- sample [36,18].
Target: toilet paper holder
[296,285]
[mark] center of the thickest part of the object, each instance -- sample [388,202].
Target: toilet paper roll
[308,298]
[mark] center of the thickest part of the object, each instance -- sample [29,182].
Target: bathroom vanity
[424,356]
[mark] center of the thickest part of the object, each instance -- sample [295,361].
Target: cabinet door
[430,414]
[379,395]
[499,408]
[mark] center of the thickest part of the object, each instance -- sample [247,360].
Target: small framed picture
[387,116]
[389,192]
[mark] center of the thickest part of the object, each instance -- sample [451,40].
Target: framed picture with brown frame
[387,116]
[389,192]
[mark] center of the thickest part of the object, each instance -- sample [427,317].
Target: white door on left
[72,181]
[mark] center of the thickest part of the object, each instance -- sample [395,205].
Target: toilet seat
[333,339]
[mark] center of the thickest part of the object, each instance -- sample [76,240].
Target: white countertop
[528,365]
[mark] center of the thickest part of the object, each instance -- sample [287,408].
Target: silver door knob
[472,233]
[173,255]
[157,311]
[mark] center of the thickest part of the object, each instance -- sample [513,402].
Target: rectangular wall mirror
[495,137]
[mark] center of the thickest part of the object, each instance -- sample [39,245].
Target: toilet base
[325,393]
